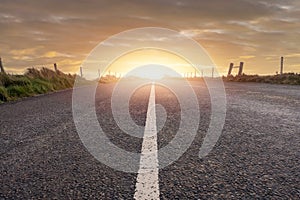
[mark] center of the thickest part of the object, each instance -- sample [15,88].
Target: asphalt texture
[256,157]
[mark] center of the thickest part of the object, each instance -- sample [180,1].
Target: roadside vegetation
[109,79]
[33,82]
[287,78]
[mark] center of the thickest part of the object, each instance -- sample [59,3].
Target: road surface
[257,155]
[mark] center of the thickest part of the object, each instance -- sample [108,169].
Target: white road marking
[147,185]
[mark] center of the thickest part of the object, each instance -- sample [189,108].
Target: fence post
[281,65]
[81,71]
[1,66]
[241,68]
[55,67]
[230,69]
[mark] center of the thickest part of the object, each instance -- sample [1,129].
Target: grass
[42,81]
[287,78]
[33,82]
[109,79]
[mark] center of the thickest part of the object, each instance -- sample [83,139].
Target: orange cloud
[247,57]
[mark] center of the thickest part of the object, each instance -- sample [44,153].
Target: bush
[33,82]
[16,91]
[42,86]
[3,94]
[289,78]
[5,80]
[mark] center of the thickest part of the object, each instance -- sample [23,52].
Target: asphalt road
[256,157]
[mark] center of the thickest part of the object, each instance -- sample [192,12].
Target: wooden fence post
[230,69]
[81,72]
[55,67]
[1,66]
[241,68]
[281,65]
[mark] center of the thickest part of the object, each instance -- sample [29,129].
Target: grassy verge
[33,82]
[109,79]
[288,78]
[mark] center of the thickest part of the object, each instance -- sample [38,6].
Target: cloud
[294,55]
[55,54]
[38,32]
[24,52]
[8,18]
[198,33]
[50,54]
[247,57]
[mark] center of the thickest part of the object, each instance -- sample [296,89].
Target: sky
[36,33]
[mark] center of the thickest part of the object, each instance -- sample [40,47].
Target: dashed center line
[147,184]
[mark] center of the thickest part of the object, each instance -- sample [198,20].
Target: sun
[152,72]
[155,64]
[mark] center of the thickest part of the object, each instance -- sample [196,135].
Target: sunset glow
[145,57]
[40,33]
